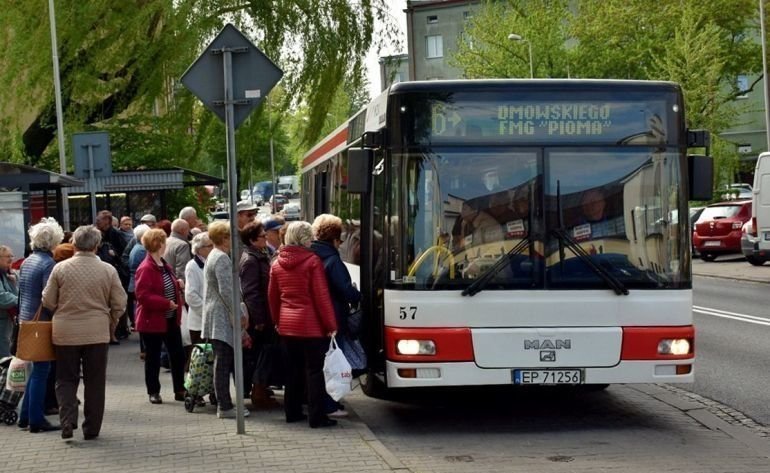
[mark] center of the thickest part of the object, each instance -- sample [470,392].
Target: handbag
[271,363]
[35,341]
[353,351]
[355,319]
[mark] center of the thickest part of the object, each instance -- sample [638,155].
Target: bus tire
[372,386]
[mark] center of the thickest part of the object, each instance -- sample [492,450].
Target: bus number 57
[407,312]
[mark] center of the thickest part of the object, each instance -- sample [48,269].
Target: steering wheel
[436,261]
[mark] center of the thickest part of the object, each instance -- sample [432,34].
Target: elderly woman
[9,299]
[219,320]
[193,290]
[35,271]
[254,272]
[158,316]
[88,299]
[327,230]
[304,316]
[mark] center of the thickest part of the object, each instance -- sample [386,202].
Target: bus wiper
[614,283]
[480,283]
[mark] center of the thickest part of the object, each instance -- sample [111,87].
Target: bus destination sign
[619,121]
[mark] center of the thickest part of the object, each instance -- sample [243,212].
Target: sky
[397,8]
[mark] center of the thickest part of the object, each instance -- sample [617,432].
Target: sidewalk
[732,267]
[139,436]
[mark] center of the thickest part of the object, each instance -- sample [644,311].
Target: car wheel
[755,261]
[708,256]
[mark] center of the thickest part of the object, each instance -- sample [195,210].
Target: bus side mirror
[701,177]
[360,170]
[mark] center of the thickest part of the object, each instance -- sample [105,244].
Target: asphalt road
[733,344]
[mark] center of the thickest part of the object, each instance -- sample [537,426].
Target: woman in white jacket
[193,291]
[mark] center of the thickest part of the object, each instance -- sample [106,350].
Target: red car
[718,229]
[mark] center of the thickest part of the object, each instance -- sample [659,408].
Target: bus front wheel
[373,386]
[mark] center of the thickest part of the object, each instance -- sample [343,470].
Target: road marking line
[736,314]
[731,315]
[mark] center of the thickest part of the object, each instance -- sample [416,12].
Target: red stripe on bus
[641,343]
[452,344]
[334,141]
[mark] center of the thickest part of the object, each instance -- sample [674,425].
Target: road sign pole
[249,80]
[92,182]
[232,187]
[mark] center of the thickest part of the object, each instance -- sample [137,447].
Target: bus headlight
[676,346]
[416,347]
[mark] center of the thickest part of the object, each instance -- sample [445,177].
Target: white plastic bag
[185,328]
[337,372]
[18,375]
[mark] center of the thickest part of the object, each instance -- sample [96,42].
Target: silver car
[750,246]
[291,212]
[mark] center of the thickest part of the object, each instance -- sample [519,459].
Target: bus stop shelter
[26,195]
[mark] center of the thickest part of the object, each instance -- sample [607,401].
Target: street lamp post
[516,37]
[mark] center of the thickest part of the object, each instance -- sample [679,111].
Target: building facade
[433,31]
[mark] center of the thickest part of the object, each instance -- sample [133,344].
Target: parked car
[737,191]
[278,201]
[290,212]
[718,229]
[750,245]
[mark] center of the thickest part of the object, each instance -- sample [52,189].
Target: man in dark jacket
[111,251]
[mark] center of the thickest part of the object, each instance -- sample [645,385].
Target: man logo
[565,344]
[548,355]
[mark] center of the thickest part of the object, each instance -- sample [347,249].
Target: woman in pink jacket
[158,316]
[303,314]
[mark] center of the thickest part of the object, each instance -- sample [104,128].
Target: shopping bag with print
[337,372]
[18,375]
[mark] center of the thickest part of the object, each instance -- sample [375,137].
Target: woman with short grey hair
[302,311]
[193,289]
[86,238]
[35,271]
[88,299]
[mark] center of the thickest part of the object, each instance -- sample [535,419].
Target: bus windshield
[467,209]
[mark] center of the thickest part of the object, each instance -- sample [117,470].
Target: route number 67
[405,312]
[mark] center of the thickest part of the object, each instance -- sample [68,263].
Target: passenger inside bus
[595,220]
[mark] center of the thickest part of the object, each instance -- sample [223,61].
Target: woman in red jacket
[158,315]
[303,314]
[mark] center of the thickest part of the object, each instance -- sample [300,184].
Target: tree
[691,42]
[487,51]
[121,60]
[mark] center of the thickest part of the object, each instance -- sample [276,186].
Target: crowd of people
[172,283]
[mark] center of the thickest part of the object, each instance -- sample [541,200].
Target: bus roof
[338,139]
[539,84]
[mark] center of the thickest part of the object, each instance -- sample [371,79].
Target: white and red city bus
[517,231]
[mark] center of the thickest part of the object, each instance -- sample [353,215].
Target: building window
[467,15]
[433,19]
[434,46]
[397,78]
[742,83]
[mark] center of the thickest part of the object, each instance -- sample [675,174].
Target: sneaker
[230,413]
[338,413]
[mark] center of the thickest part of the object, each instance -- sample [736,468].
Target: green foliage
[695,43]
[120,62]
[487,51]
